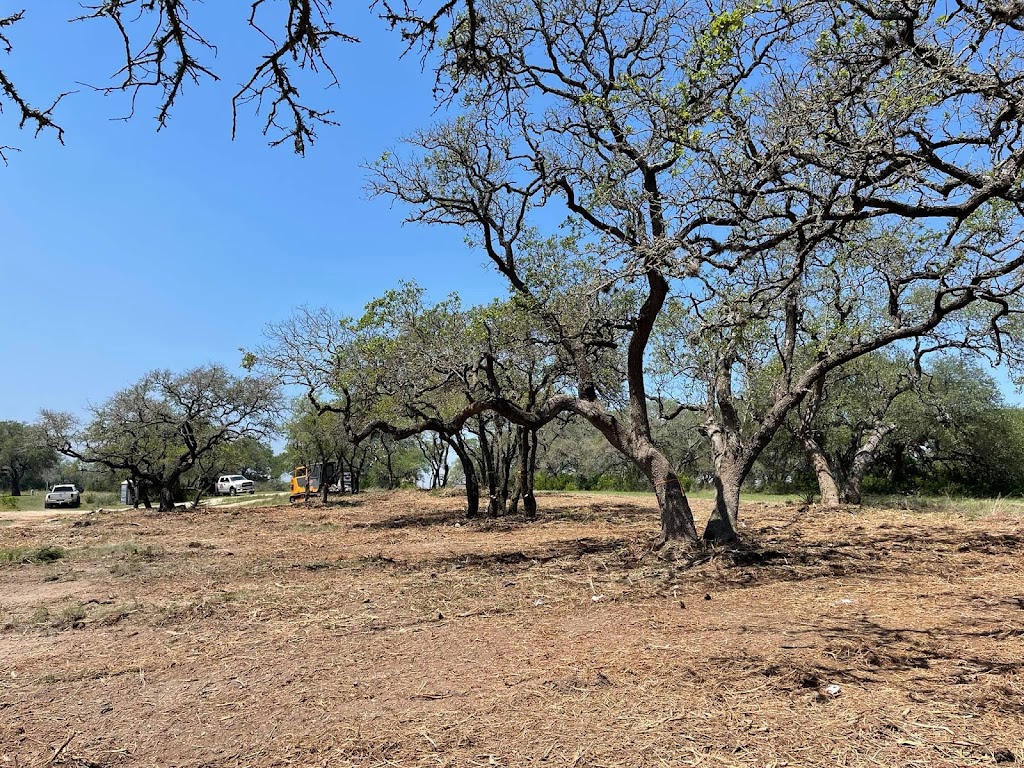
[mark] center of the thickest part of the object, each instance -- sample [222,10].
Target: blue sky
[128,250]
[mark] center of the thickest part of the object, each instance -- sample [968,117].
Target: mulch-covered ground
[389,631]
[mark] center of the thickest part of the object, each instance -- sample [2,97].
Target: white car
[234,484]
[63,496]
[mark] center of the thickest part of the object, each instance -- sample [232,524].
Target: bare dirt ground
[390,632]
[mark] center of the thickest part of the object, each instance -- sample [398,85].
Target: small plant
[8,502]
[73,616]
[120,612]
[131,549]
[124,568]
[28,555]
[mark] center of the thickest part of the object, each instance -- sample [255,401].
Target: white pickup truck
[233,484]
[63,496]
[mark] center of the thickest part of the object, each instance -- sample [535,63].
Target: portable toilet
[127,493]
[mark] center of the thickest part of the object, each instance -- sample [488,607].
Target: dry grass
[390,632]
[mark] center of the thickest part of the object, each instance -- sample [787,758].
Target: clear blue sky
[128,250]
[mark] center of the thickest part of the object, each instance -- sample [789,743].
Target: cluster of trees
[680,235]
[25,457]
[171,433]
[706,215]
[880,425]
[878,428]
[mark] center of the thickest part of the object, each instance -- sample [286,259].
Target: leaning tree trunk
[469,469]
[823,471]
[200,489]
[862,461]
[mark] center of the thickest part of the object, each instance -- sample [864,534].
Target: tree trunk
[494,509]
[730,464]
[852,491]
[167,497]
[722,525]
[343,468]
[355,472]
[864,458]
[676,518]
[507,449]
[325,481]
[469,469]
[15,482]
[823,471]
[516,488]
[144,496]
[445,469]
[391,470]
[527,470]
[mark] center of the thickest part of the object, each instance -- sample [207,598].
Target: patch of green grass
[27,501]
[41,615]
[34,501]
[967,507]
[94,499]
[696,493]
[31,555]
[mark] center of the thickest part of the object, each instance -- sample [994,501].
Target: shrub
[27,555]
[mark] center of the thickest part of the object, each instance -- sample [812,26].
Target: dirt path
[37,515]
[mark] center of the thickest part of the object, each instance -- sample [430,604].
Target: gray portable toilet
[127,493]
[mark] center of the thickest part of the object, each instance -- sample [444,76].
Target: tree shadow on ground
[924,662]
[588,513]
[562,550]
[773,555]
[571,551]
[422,519]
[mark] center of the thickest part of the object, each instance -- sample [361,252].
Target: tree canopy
[24,455]
[160,428]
